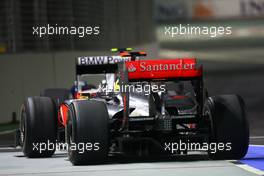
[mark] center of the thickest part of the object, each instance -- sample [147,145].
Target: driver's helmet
[82,86]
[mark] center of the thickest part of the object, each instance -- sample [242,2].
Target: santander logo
[131,68]
[160,66]
[147,66]
[163,69]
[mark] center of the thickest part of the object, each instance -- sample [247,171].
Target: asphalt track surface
[14,163]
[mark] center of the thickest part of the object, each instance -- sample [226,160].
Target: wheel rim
[69,136]
[23,126]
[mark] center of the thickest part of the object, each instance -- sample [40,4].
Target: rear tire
[87,125]
[38,126]
[228,125]
[58,95]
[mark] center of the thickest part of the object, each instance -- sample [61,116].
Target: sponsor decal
[163,69]
[101,60]
[145,66]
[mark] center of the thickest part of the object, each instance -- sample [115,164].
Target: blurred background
[232,63]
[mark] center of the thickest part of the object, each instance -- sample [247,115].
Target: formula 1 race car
[139,107]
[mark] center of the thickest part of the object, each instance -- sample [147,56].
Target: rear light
[63,115]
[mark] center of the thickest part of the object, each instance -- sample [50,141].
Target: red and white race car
[136,107]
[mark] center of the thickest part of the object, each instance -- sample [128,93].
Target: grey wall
[122,24]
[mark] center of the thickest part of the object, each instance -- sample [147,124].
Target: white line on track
[256,137]
[250,169]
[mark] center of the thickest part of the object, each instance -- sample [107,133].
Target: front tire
[87,125]
[38,127]
[229,125]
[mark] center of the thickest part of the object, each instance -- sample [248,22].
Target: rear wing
[163,69]
[98,64]
[156,70]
